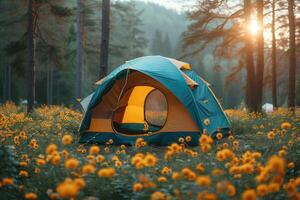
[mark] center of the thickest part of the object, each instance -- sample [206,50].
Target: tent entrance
[141,109]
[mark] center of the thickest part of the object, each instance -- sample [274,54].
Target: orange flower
[23,173]
[203,180]
[55,160]
[271,135]
[176,176]
[40,162]
[262,190]
[31,196]
[157,196]
[291,165]
[7,181]
[219,136]
[231,191]
[71,163]
[166,170]
[188,138]
[51,148]
[137,187]
[282,153]
[94,149]
[88,169]
[286,125]
[107,172]
[68,189]
[249,194]
[100,158]
[79,182]
[162,179]
[200,167]
[67,139]
[150,160]
[23,164]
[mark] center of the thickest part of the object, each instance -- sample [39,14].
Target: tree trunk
[274,58]
[104,38]
[250,85]
[7,84]
[49,83]
[31,61]
[292,54]
[79,49]
[260,55]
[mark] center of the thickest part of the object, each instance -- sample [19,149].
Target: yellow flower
[188,138]
[166,170]
[40,162]
[71,163]
[206,122]
[33,143]
[205,148]
[162,179]
[137,187]
[188,173]
[217,172]
[37,170]
[88,169]
[16,140]
[100,158]
[271,135]
[181,140]
[23,173]
[286,125]
[200,167]
[94,149]
[55,160]
[203,180]
[231,138]
[219,136]
[31,196]
[158,196]
[150,160]
[176,176]
[235,143]
[282,153]
[67,139]
[249,194]
[118,164]
[51,148]
[106,172]
[140,142]
[65,153]
[175,148]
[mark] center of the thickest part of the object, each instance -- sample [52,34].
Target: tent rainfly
[155,98]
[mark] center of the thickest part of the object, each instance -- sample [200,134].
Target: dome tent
[157,98]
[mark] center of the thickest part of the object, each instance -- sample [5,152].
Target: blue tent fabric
[200,102]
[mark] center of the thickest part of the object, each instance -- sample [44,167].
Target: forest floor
[41,159]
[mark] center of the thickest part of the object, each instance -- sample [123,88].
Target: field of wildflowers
[41,159]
